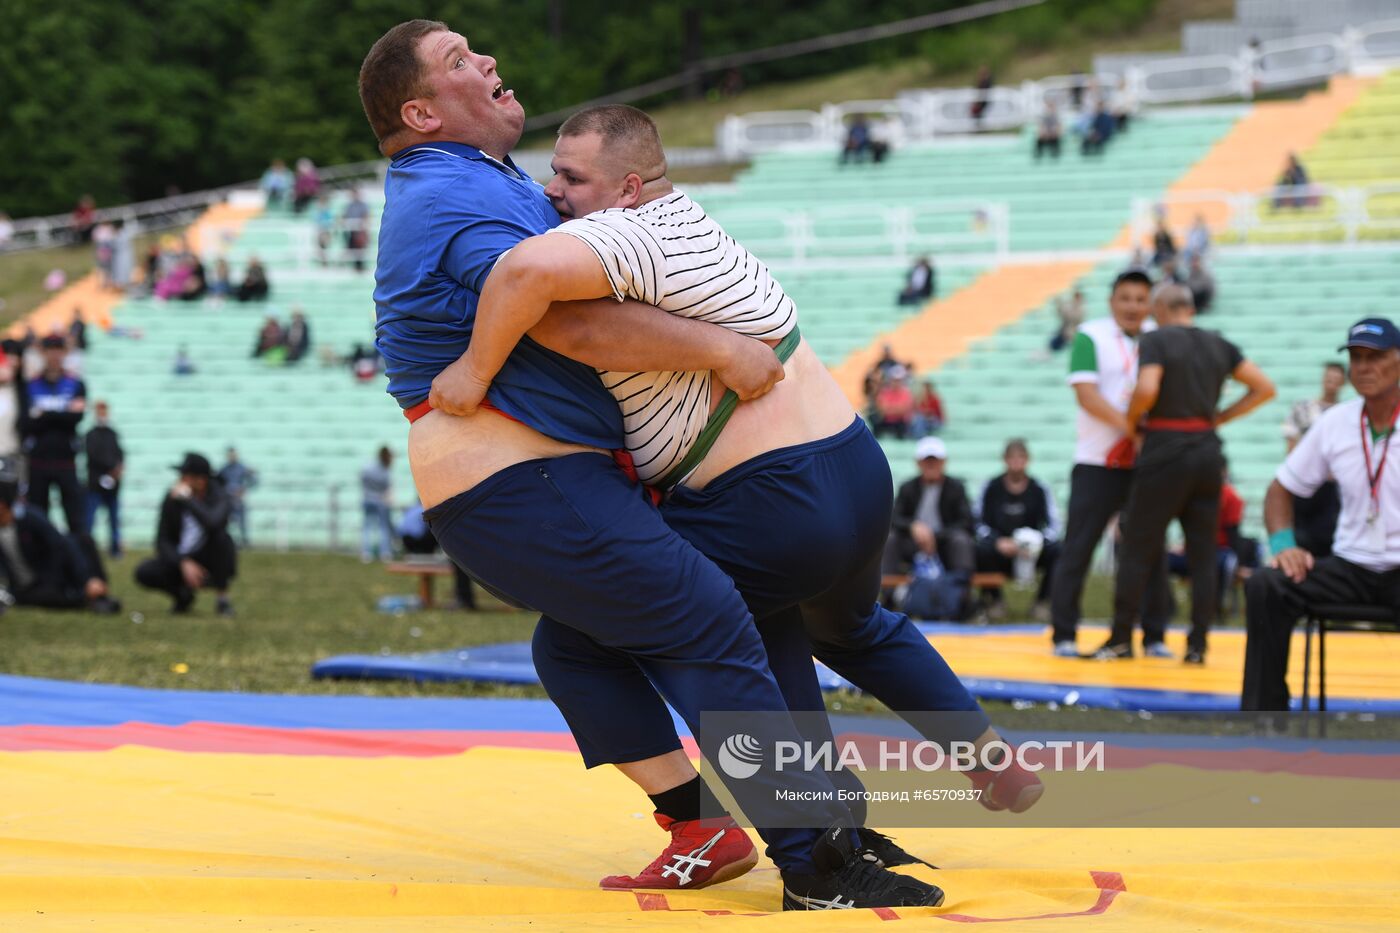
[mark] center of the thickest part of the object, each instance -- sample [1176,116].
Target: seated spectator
[43,567]
[1070,311]
[364,363]
[1197,241]
[1011,505]
[173,283]
[84,219]
[1293,186]
[982,86]
[220,287]
[1047,133]
[858,142]
[354,220]
[298,337]
[276,183]
[1170,273]
[894,405]
[195,286]
[269,338]
[255,285]
[920,283]
[305,185]
[193,548]
[928,411]
[1237,554]
[1097,131]
[1163,244]
[418,539]
[932,520]
[184,366]
[1202,285]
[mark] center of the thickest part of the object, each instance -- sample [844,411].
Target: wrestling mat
[1013,662]
[125,809]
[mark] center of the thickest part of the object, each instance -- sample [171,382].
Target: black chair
[1339,618]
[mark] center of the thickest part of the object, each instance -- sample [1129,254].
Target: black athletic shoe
[883,851]
[184,599]
[1112,652]
[849,882]
[105,606]
[1195,656]
[224,607]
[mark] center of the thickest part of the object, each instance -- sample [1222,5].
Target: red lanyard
[1375,479]
[1129,350]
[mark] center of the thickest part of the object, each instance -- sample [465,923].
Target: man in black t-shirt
[1181,373]
[1009,503]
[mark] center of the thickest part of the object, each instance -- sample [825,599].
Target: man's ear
[417,115]
[631,190]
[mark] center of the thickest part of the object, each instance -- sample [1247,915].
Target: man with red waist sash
[1182,371]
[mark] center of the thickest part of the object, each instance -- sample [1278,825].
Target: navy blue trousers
[574,539]
[801,532]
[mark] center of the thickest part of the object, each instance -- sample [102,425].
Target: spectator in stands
[305,186]
[44,568]
[324,220]
[1079,81]
[220,287]
[57,400]
[102,235]
[1183,370]
[354,220]
[1315,518]
[270,337]
[1197,240]
[7,230]
[1163,243]
[184,365]
[255,285]
[84,219]
[105,461]
[982,96]
[928,411]
[1048,132]
[377,496]
[195,286]
[238,478]
[1293,186]
[1069,309]
[417,538]
[276,183]
[193,547]
[894,405]
[1017,518]
[920,283]
[364,363]
[298,337]
[77,331]
[1347,444]
[858,145]
[123,255]
[1202,285]
[150,269]
[1137,262]
[932,516]
[1097,131]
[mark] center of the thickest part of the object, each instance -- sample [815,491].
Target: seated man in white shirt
[1351,442]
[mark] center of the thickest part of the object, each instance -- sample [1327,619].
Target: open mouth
[498,91]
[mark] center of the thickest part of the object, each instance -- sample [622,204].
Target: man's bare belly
[806,406]
[451,454]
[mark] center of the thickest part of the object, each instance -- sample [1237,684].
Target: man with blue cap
[1352,443]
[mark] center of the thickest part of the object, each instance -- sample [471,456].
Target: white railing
[1313,212]
[821,235]
[934,113]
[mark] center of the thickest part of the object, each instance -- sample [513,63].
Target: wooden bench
[983,581]
[424,570]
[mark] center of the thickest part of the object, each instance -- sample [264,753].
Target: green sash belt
[719,418]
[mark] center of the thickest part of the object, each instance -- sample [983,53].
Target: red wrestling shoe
[1014,788]
[701,853]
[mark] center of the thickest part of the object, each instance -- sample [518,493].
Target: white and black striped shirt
[669,253]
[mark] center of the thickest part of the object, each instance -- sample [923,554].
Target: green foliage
[127,100]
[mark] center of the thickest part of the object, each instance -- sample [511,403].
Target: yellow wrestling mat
[150,839]
[1360,665]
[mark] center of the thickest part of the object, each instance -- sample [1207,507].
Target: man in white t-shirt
[1351,442]
[1315,518]
[1103,367]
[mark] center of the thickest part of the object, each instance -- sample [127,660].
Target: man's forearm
[1278,508]
[633,337]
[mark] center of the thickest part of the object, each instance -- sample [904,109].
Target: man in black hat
[57,400]
[43,567]
[1352,443]
[193,546]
